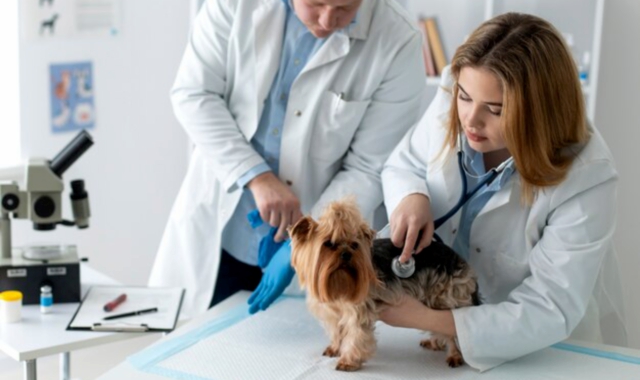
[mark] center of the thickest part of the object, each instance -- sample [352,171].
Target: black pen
[131,314]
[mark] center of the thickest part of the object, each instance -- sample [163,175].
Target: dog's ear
[301,231]
[301,259]
[368,233]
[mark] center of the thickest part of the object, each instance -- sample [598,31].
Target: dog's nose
[345,256]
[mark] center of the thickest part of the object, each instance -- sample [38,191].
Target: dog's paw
[455,361]
[433,344]
[331,352]
[348,366]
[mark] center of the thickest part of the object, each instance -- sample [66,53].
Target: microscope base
[27,276]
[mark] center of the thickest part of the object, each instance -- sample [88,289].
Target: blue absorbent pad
[147,359]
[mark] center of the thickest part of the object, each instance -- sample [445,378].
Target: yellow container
[10,306]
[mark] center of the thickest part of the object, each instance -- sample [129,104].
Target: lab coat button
[478,249]
[454,231]
[298,113]
[289,182]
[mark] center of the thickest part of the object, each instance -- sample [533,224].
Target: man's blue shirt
[299,45]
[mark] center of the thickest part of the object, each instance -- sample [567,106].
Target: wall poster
[72,96]
[49,19]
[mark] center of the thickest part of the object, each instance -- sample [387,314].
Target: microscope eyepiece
[71,153]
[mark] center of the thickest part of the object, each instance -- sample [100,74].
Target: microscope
[27,269]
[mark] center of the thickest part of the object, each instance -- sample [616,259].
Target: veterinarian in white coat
[545,265]
[347,109]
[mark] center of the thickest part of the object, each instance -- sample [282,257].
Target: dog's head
[332,256]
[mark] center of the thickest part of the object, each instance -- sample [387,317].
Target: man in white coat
[290,104]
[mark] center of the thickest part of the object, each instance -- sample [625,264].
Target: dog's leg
[435,343]
[454,356]
[358,345]
[335,333]
[439,342]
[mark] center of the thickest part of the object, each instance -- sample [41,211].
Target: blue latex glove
[268,246]
[276,277]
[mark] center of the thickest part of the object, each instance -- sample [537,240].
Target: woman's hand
[411,220]
[277,204]
[411,313]
[408,313]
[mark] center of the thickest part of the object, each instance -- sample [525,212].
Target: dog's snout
[345,256]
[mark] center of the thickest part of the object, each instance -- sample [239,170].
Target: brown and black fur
[348,277]
[437,266]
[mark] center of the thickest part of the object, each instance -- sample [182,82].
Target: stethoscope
[464,195]
[406,270]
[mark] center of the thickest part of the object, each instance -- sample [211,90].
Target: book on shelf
[435,42]
[429,64]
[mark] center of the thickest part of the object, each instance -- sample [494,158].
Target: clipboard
[90,313]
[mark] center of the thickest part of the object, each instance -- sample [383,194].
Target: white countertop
[38,334]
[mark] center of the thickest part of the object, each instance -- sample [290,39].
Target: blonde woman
[539,234]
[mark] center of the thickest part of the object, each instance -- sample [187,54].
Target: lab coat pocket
[511,268]
[337,120]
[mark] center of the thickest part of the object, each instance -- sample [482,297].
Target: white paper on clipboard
[90,313]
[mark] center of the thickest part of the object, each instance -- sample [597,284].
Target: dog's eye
[354,245]
[329,244]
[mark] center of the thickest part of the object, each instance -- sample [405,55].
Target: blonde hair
[543,110]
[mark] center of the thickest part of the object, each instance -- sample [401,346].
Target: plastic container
[46,299]
[10,306]
[583,68]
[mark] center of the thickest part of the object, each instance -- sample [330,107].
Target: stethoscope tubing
[464,195]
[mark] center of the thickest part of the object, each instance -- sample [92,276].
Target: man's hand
[276,277]
[277,204]
[410,220]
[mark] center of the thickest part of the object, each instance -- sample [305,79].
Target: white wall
[618,119]
[139,158]
[9,99]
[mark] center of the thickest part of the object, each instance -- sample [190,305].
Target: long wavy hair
[543,112]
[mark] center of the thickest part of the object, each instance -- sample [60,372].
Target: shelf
[584,26]
[433,81]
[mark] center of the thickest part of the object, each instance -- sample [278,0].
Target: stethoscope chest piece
[401,270]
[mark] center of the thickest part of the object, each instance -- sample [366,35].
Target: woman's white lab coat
[540,269]
[349,107]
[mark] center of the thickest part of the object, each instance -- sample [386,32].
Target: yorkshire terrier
[348,277]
